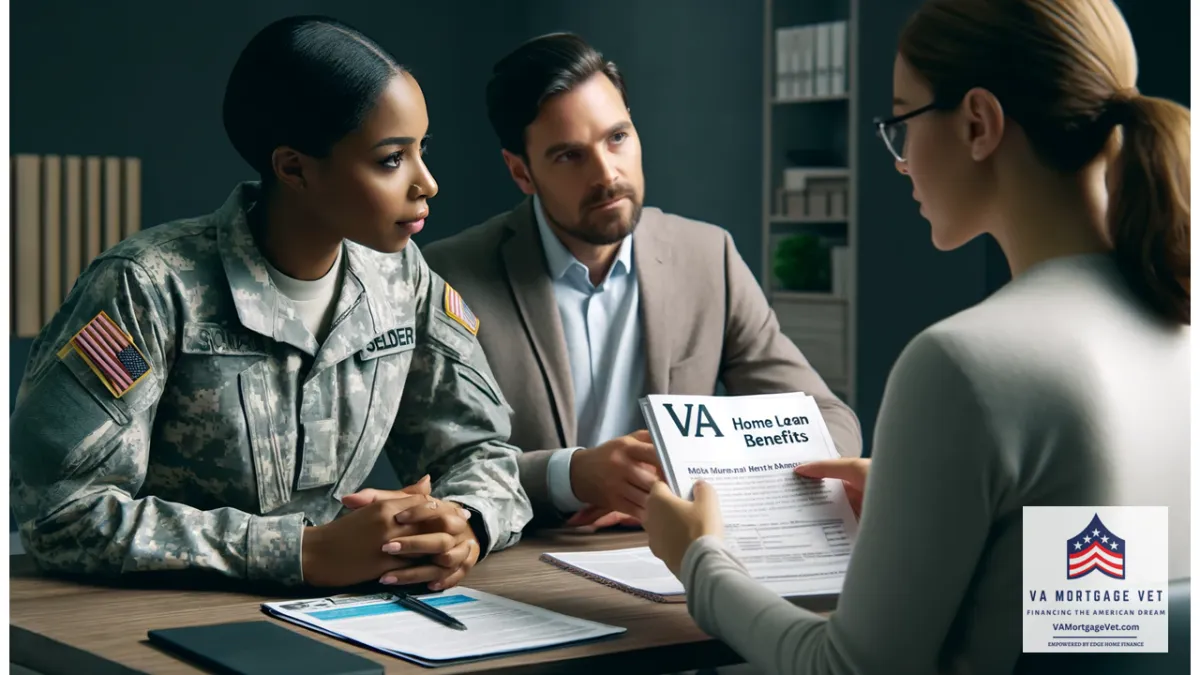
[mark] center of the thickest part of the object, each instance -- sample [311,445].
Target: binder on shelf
[838,207]
[819,193]
[795,49]
[783,63]
[818,201]
[839,57]
[812,61]
[805,61]
[823,59]
[796,178]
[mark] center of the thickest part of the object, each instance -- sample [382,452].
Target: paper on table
[495,625]
[634,570]
[794,535]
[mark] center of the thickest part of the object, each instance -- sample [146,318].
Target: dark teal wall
[146,78]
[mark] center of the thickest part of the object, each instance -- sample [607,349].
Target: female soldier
[1070,386]
[212,388]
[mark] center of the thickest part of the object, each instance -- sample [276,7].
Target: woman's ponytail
[1149,212]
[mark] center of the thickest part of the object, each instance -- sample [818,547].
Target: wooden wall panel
[65,212]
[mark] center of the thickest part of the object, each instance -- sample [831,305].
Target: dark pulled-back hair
[302,82]
[534,72]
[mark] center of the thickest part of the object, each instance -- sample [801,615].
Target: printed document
[495,626]
[793,534]
[633,570]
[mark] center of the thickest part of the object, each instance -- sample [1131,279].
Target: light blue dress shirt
[603,332]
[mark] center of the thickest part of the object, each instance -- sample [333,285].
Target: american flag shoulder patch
[456,308]
[110,353]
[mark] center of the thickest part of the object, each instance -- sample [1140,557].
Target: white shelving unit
[822,324]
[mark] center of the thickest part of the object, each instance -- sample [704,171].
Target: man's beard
[599,228]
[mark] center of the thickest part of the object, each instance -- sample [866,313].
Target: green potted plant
[802,263]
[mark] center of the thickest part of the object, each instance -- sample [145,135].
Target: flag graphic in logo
[110,353]
[456,308]
[1095,549]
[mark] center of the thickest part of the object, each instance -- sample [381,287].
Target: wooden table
[64,626]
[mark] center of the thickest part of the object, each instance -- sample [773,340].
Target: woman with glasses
[1068,387]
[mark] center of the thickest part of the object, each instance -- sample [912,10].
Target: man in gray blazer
[586,300]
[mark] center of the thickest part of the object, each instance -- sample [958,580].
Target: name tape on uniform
[391,341]
[456,308]
[110,353]
[211,338]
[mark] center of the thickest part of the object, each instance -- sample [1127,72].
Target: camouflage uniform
[244,428]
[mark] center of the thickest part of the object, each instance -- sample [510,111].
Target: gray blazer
[704,317]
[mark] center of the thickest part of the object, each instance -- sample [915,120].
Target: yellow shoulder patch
[110,353]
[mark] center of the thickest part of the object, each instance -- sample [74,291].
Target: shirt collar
[260,305]
[559,259]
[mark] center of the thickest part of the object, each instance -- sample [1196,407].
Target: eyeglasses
[893,130]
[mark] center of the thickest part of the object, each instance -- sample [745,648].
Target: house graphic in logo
[1095,549]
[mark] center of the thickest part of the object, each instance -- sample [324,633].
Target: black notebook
[260,648]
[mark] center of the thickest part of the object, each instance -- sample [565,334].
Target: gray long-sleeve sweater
[1060,389]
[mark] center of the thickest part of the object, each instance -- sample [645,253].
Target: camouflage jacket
[176,413]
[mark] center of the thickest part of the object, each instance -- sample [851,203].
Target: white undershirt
[314,300]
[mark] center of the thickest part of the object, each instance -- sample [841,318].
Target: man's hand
[593,518]
[349,550]
[617,475]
